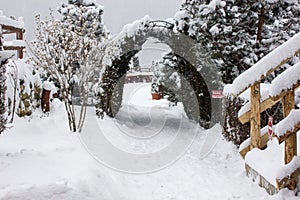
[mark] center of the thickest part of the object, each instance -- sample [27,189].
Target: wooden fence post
[255,115]
[290,147]
[19,36]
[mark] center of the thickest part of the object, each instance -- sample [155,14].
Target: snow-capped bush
[24,88]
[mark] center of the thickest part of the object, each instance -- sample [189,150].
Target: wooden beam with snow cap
[266,65]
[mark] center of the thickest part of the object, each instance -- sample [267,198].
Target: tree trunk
[260,24]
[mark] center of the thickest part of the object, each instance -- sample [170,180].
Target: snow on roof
[285,80]
[15,43]
[262,67]
[11,22]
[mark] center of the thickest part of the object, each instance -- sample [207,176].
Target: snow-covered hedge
[233,130]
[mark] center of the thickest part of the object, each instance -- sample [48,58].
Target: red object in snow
[156,96]
[270,127]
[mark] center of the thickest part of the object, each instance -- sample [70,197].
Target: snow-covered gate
[281,89]
[129,42]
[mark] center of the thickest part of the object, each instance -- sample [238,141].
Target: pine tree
[237,33]
[169,78]
[85,18]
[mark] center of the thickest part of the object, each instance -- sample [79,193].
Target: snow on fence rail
[270,93]
[265,66]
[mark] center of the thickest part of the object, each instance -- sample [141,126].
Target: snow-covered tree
[167,76]
[136,63]
[238,33]
[181,82]
[69,55]
[84,17]
[4,56]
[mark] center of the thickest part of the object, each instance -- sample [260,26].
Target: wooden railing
[259,139]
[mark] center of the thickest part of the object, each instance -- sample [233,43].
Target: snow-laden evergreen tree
[226,29]
[71,51]
[84,17]
[169,78]
[136,63]
[237,33]
[4,56]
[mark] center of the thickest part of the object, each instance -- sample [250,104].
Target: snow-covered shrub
[79,36]
[233,130]
[24,88]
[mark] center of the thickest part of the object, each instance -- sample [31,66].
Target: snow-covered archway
[199,72]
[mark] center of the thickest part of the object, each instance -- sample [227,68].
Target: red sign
[270,127]
[217,94]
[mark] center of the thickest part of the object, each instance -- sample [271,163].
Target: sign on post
[270,127]
[217,94]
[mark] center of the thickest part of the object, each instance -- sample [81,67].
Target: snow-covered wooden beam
[288,175]
[288,125]
[11,29]
[7,22]
[286,81]
[265,66]
[265,104]
[264,138]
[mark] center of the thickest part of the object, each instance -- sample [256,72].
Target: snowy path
[41,160]
[198,174]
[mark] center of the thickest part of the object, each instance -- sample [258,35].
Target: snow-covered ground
[41,160]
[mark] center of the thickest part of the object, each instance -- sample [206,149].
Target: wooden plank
[12,29]
[263,106]
[263,143]
[270,71]
[290,182]
[290,147]
[12,48]
[255,115]
[262,181]
[267,103]
[288,133]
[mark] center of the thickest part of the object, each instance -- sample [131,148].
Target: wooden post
[290,145]
[255,115]
[290,148]
[19,36]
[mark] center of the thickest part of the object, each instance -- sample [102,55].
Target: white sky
[117,13]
